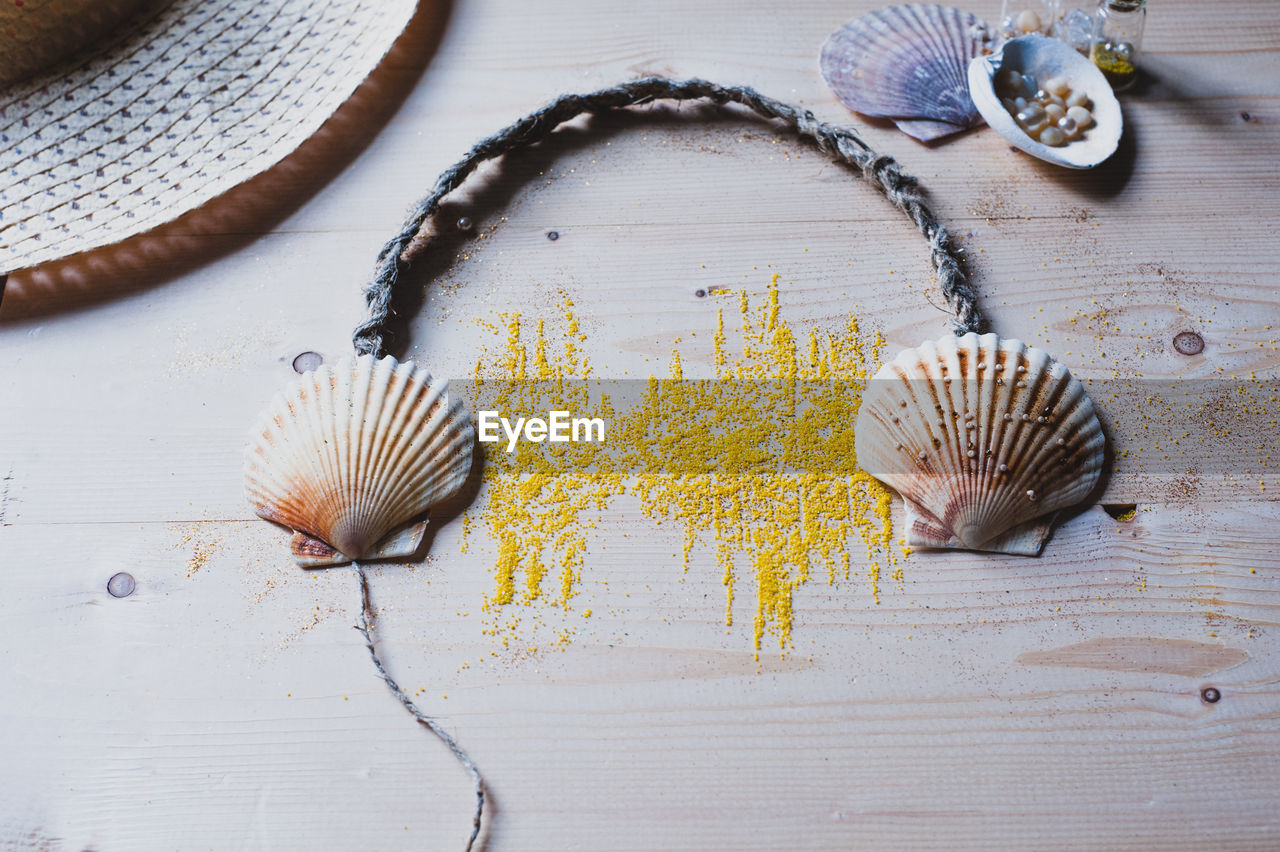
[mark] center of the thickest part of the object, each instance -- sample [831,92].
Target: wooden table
[984,702]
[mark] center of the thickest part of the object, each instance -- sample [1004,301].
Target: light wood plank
[986,702]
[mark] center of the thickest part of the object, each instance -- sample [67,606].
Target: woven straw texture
[185,103]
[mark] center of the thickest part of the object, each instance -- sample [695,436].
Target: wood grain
[985,702]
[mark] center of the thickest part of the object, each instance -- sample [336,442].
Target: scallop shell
[1043,58]
[908,63]
[351,456]
[985,439]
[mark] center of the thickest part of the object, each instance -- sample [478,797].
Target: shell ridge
[450,444]
[362,394]
[389,382]
[422,415]
[389,430]
[363,390]
[1039,453]
[1011,500]
[402,424]
[348,392]
[929,86]
[949,96]
[991,411]
[967,423]
[304,410]
[440,417]
[941,58]
[433,467]
[1048,454]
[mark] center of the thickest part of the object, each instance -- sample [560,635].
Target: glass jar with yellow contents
[1117,39]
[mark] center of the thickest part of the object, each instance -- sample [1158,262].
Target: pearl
[1027,21]
[1033,114]
[1004,468]
[1081,116]
[1031,495]
[1009,82]
[1052,136]
[464,223]
[1041,115]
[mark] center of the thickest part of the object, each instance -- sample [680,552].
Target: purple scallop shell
[910,64]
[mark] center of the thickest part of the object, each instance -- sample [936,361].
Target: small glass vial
[1022,17]
[1117,37]
[1074,23]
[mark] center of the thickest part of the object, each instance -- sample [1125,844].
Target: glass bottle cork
[1021,17]
[1117,37]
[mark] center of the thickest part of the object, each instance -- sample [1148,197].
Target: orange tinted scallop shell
[985,439]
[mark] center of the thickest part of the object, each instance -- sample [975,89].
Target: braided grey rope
[901,188]
[366,619]
[882,171]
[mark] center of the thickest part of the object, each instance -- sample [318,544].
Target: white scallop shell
[985,439]
[1044,58]
[908,63]
[351,456]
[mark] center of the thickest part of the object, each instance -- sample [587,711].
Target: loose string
[841,144]
[366,621]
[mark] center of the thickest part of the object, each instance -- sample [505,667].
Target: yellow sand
[757,463]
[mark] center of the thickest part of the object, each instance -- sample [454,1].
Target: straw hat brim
[184,103]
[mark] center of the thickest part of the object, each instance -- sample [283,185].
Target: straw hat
[178,101]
